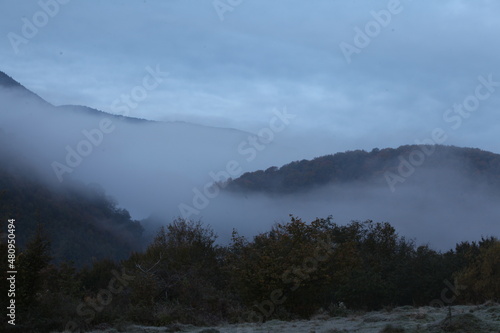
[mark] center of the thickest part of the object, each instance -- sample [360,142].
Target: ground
[464,319]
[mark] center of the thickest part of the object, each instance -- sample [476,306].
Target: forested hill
[8,83]
[372,167]
[81,223]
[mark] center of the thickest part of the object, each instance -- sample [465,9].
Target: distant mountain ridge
[368,167]
[7,81]
[91,111]
[143,165]
[24,109]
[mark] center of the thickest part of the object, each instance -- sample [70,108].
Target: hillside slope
[162,161]
[81,222]
[388,165]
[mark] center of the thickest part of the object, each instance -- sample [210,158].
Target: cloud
[264,54]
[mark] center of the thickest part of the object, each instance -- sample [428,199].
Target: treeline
[366,167]
[292,271]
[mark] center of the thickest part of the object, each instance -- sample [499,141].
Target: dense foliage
[359,165]
[291,271]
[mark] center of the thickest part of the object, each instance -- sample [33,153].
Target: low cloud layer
[436,207]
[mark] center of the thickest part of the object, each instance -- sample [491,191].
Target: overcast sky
[232,65]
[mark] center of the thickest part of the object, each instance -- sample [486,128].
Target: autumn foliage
[291,271]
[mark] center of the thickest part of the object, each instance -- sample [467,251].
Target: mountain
[133,160]
[8,82]
[144,165]
[95,112]
[28,97]
[389,165]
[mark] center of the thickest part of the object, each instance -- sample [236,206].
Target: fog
[144,165]
[433,207]
[167,169]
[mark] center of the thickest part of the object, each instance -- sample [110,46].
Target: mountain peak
[7,81]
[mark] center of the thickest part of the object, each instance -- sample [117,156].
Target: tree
[180,272]
[288,266]
[481,277]
[31,263]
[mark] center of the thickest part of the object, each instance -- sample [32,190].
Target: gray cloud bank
[232,73]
